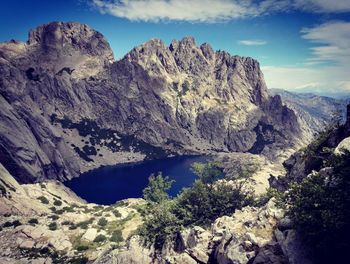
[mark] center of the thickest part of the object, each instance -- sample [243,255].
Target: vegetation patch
[109,138]
[102,221]
[53,217]
[320,209]
[201,204]
[99,238]
[53,226]
[57,203]
[14,223]
[33,221]
[121,204]
[117,213]
[117,236]
[43,199]
[85,224]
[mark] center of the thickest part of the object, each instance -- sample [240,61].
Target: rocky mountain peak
[75,47]
[62,36]
[187,41]
[208,51]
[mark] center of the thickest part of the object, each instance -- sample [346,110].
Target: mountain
[68,107]
[314,111]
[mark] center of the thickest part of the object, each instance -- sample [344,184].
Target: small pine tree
[157,188]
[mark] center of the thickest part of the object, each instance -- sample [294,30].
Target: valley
[81,132]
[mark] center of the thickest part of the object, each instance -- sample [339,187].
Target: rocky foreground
[48,223]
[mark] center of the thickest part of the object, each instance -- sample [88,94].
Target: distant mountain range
[314,111]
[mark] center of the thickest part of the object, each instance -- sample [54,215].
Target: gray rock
[293,249]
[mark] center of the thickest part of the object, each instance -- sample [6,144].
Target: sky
[302,45]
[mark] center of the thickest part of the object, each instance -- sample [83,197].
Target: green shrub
[121,204]
[81,245]
[82,248]
[320,209]
[33,221]
[157,188]
[208,173]
[66,222]
[85,224]
[53,217]
[100,238]
[43,199]
[201,204]
[69,209]
[53,226]
[102,221]
[117,236]
[185,87]
[160,225]
[14,223]
[3,191]
[117,213]
[73,227]
[57,203]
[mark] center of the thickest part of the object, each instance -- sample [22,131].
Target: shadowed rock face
[182,98]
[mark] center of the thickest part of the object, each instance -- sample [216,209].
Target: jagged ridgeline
[158,99]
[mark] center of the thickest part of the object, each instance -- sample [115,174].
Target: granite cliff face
[67,107]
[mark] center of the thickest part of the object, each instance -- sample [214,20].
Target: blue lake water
[109,184]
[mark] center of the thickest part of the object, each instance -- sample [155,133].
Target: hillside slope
[314,112]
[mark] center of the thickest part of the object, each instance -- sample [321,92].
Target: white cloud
[333,42]
[323,6]
[328,79]
[180,10]
[252,42]
[211,11]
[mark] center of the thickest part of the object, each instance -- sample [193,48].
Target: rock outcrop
[48,223]
[305,161]
[251,235]
[314,112]
[67,107]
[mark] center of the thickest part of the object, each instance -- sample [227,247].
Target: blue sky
[302,45]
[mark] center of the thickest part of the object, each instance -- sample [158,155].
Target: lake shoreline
[111,183]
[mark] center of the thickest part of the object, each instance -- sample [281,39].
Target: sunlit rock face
[156,101]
